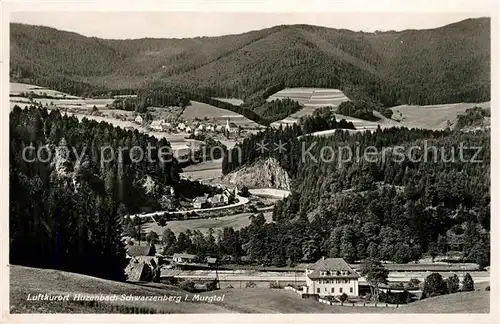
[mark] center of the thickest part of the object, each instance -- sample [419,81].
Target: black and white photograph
[208,162]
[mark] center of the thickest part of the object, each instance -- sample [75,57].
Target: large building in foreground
[331,277]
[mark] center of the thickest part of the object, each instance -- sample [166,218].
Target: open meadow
[310,99]
[201,111]
[207,170]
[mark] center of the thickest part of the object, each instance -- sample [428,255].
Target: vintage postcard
[223,159]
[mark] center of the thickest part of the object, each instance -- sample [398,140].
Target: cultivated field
[232,101]
[236,221]
[79,107]
[207,170]
[434,116]
[17,88]
[251,300]
[219,116]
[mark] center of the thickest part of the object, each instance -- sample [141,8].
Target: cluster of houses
[195,127]
[222,199]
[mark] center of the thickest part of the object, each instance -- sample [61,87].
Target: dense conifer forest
[70,188]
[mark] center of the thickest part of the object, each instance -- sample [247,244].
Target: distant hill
[442,65]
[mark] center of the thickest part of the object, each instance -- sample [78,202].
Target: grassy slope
[25,280]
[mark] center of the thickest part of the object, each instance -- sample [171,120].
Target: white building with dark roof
[139,119]
[331,277]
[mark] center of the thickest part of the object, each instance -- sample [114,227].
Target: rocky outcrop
[261,174]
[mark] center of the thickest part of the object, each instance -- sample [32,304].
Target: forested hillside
[397,206]
[71,186]
[447,64]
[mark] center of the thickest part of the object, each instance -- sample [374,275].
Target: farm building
[200,127]
[217,200]
[183,258]
[139,119]
[156,124]
[141,250]
[331,277]
[189,130]
[165,127]
[210,128]
[219,129]
[199,202]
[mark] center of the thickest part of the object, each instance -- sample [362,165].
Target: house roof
[211,260]
[139,250]
[147,259]
[184,255]
[332,265]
